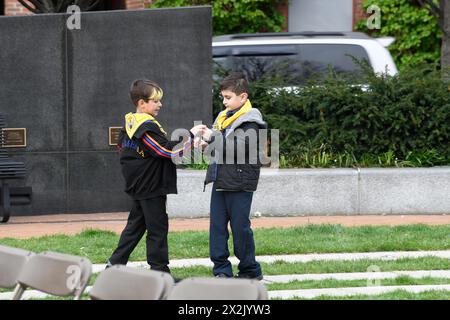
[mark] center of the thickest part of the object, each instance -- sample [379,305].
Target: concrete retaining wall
[328,192]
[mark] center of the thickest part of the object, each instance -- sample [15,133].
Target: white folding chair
[54,273]
[199,288]
[124,283]
[12,261]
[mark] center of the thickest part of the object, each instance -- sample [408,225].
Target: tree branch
[434,10]
[87,5]
[34,9]
[47,6]
[94,5]
[62,5]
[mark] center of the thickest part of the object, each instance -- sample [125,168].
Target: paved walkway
[35,226]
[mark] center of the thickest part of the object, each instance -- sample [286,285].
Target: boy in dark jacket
[234,170]
[150,174]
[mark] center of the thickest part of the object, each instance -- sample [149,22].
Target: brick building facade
[358,11]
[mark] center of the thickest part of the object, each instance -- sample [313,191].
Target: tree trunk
[445,47]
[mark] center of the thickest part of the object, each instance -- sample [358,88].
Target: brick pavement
[35,226]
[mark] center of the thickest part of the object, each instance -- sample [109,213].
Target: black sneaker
[108,264]
[222,275]
[176,280]
[248,276]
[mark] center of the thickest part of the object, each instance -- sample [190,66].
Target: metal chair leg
[18,292]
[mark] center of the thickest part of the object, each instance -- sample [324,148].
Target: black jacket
[235,162]
[146,161]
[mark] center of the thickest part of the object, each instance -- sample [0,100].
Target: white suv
[304,52]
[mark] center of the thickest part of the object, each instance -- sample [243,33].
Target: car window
[293,63]
[317,58]
[258,61]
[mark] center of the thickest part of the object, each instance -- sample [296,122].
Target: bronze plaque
[114,135]
[14,137]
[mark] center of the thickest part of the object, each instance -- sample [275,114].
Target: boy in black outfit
[146,159]
[233,180]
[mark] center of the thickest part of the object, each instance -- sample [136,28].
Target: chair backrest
[12,261]
[86,271]
[124,283]
[198,288]
[56,274]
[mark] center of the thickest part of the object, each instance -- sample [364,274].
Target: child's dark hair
[236,82]
[146,90]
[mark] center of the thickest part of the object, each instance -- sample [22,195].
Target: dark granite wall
[67,87]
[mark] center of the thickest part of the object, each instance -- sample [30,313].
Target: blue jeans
[233,207]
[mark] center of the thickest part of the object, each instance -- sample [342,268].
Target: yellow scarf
[222,122]
[134,120]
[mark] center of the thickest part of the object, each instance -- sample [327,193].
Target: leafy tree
[58,6]
[441,11]
[421,29]
[415,29]
[236,16]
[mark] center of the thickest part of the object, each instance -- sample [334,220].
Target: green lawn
[98,245]
[394,295]
[312,267]
[331,283]
[282,268]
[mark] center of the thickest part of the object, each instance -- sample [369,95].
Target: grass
[281,268]
[312,267]
[394,295]
[98,245]
[315,267]
[332,283]
[318,267]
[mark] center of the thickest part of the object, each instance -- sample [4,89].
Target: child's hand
[198,129]
[199,143]
[206,135]
[203,145]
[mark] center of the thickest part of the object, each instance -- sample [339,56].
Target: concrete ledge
[284,192]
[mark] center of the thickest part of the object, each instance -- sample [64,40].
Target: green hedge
[397,120]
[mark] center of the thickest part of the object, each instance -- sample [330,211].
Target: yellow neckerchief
[222,121]
[134,120]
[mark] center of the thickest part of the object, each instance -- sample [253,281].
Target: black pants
[233,207]
[146,215]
